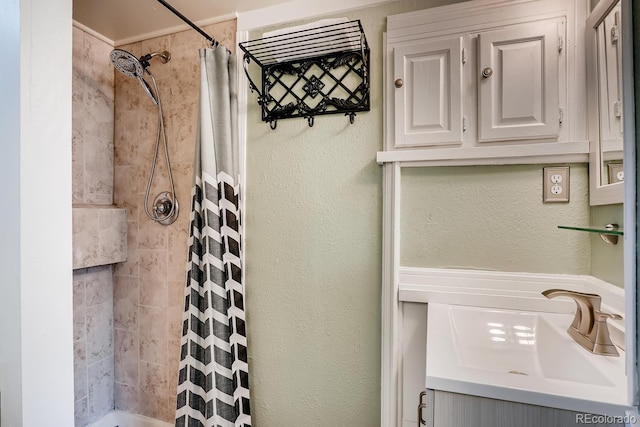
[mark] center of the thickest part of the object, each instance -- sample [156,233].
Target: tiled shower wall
[93,343]
[148,287]
[92,120]
[92,123]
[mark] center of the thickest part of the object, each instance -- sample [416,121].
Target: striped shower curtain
[213,385]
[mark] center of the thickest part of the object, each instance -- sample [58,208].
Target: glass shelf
[600,229]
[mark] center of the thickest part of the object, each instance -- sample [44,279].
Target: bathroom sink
[520,356]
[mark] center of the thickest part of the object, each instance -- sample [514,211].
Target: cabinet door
[610,81]
[428,105]
[518,83]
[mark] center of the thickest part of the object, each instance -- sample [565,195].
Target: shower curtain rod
[176,12]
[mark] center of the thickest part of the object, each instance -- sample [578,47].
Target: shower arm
[214,42]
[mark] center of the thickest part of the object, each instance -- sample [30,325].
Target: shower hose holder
[165,208]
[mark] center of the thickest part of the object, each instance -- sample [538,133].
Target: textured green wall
[492,217]
[313,245]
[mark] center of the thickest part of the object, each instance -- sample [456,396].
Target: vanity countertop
[520,356]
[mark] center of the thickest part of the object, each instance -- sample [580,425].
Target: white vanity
[491,342]
[492,82]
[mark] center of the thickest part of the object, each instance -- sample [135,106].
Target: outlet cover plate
[616,172]
[555,184]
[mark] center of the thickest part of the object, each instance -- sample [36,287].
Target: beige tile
[130,266]
[80,387]
[173,364]
[183,180]
[153,265]
[125,302]
[160,182]
[126,357]
[99,332]
[77,97]
[153,335]
[152,235]
[77,141]
[130,179]
[79,306]
[100,400]
[153,398]
[134,48]
[99,199]
[175,294]
[99,163]
[153,293]
[98,102]
[168,408]
[126,397]
[113,235]
[187,38]
[181,124]
[85,237]
[77,37]
[81,413]
[174,321]
[99,285]
[185,57]
[185,81]
[77,182]
[153,378]
[158,407]
[126,150]
[98,64]
[128,201]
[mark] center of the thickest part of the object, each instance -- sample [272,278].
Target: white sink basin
[520,356]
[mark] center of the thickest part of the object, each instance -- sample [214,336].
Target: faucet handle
[602,316]
[601,341]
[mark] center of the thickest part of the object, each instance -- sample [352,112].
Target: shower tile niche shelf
[310,72]
[99,235]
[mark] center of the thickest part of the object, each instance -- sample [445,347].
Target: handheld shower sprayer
[130,66]
[165,206]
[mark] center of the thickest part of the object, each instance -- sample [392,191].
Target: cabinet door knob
[399,83]
[487,72]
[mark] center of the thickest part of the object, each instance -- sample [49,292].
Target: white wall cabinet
[487,82]
[518,77]
[428,98]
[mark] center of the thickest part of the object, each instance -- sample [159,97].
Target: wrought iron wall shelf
[311,72]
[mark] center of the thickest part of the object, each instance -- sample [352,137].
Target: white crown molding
[297,10]
[94,33]
[176,29]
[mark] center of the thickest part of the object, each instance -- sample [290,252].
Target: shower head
[126,63]
[130,66]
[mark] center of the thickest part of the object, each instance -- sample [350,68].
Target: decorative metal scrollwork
[319,79]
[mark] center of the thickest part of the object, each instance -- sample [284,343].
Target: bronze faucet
[589,326]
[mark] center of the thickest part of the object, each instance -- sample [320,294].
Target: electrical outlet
[616,172]
[555,184]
